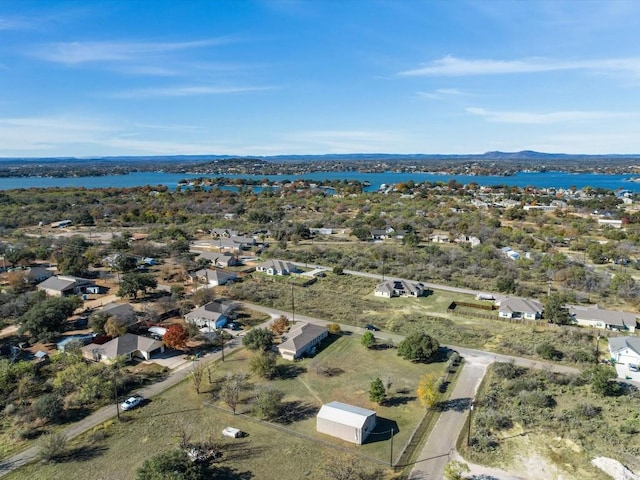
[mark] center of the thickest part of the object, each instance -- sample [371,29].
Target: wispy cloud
[452,66]
[14,23]
[186,91]
[541,118]
[441,93]
[47,132]
[73,53]
[343,141]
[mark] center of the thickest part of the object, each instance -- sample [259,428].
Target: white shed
[347,422]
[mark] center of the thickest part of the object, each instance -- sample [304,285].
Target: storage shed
[347,422]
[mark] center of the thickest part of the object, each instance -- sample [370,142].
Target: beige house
[301,339]
[128,346]
[516,307]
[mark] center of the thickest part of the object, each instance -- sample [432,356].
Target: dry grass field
[292,449]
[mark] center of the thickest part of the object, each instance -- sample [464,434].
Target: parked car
[132,402]
[232,432]
[633,367]
[233,326]
[371,328]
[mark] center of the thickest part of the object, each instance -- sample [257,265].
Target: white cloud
[441,93]
[47,132]
[345,141]
[452,66]
[185,91]
[73,53]
[540,118]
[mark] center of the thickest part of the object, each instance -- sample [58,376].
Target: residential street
[436,451]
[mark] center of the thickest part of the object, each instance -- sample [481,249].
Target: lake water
[524,179]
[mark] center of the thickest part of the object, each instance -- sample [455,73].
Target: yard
[358,306]
[293,448]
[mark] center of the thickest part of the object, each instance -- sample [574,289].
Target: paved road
[108,412]
[435,286]
[465,389]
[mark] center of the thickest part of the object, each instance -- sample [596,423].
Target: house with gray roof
[277,267]
[219,259]
[213,277]
[517,307]
[63,285]
[36,275]
[122,311]
[127,345]
[399,288]
[625,352]
[593,316]
[212,315]
[301,340]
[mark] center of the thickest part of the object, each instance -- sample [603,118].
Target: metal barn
[346,422]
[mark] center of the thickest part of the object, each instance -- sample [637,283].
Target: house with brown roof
[301,340]
[127,345]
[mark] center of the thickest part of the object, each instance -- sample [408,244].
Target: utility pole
[293,307]
[469,426]
[115,395]
[383,269]
[391,449]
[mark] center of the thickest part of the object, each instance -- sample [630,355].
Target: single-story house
[219,259]
[347,422]
[213,277]
[212,314]
[399,288]
[223,232]
[517,307]
[277,267]
[62,285]
[122,311]
[128,346]
[301,339]
[36,275]
[625,352]
[593,316]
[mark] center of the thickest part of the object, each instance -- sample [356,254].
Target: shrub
[580,356]
[536,399]
[507,370]
[587,410]
[48,407]
[333,328]
[549,352]
[493,420]
[53,447]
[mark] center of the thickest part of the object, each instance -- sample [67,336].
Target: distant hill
[522,156]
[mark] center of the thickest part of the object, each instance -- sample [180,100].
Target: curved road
[437,449]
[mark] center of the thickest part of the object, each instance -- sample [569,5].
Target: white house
[212,315]
[625,352]
[517,307]
[348,422]
[595,317]
[301,339]
[213,278]
[399,288]
[277,267]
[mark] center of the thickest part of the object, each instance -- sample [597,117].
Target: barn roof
[345,414]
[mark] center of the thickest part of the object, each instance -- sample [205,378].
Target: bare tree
[197,374]
[231,388]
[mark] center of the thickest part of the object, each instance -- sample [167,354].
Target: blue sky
[89,78]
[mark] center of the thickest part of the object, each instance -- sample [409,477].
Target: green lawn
[294,450]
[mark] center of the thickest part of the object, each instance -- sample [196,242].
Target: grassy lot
[294,449]
[553,419]
[358,306]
